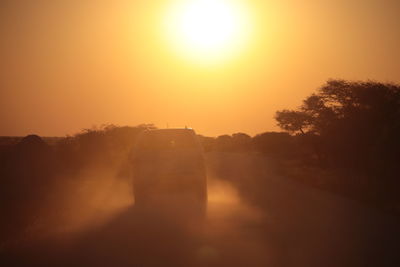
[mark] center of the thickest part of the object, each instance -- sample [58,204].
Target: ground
[255,218]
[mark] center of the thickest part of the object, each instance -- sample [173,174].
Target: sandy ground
[254,218]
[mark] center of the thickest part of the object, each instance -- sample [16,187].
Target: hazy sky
[69,65]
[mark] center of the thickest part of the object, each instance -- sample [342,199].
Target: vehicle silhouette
[169,169]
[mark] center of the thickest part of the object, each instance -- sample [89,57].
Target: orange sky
[69,65]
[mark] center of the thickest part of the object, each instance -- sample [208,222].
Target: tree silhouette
[293,121]
[356,124]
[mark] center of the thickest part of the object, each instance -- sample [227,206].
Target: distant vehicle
[168,166]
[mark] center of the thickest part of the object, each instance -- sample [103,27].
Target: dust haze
[95,222]
[293,158]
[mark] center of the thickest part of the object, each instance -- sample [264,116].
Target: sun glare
[207,30]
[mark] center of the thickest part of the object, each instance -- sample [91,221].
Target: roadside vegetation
[344,138]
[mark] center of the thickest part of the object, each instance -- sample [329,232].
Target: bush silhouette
[354,128]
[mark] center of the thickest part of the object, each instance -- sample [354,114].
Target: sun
[207,30]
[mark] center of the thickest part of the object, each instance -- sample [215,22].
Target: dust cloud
[95,222]
[253,218]
[87,200]
[232,227]
[94,198]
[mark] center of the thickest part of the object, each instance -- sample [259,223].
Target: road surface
[255,218]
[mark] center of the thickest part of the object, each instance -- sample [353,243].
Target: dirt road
[255,218]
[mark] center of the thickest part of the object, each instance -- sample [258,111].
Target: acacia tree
[356,122]
[293,121]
